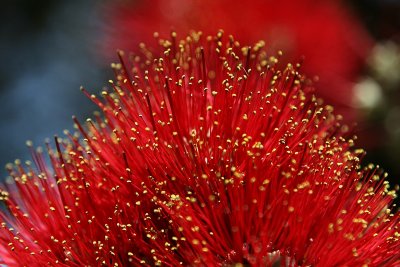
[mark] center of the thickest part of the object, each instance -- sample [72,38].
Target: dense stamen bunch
[208,154]
[326,33]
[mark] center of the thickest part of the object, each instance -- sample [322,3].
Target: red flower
[208,155]
[330,38]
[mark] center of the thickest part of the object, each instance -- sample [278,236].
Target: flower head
[326,33]
[208,154]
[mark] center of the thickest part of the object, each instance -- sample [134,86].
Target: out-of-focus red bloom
[327,34]
[209,154]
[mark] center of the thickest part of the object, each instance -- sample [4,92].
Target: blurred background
[48,49]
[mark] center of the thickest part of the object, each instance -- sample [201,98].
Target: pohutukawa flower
[208,154]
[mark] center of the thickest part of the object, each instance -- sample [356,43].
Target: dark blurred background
[48,49]
[378,129]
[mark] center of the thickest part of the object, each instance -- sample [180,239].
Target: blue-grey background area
[48,49]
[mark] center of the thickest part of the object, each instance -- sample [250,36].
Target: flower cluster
[208,153]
